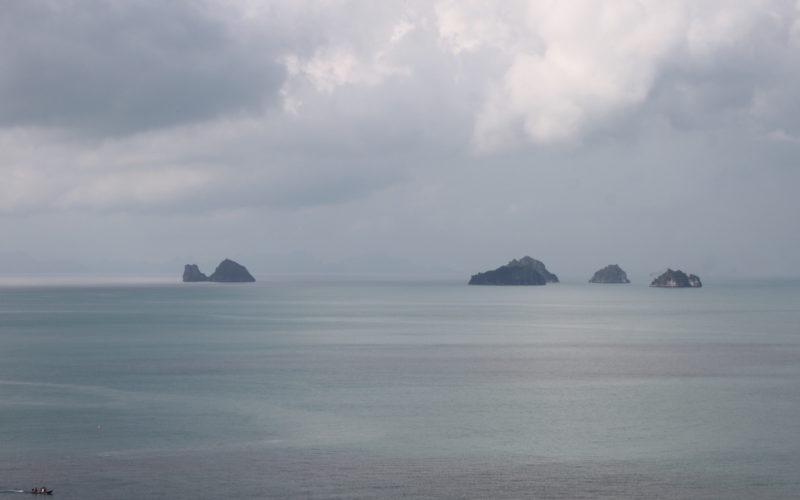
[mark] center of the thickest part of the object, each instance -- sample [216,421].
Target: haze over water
[418,139]
[389,389]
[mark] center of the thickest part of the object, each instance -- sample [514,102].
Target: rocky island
[610,274]
[192,274]
[227,271]
[676,279]
[525,271]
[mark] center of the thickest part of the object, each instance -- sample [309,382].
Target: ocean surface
[400,389]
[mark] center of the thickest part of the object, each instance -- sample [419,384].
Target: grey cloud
[342,129]
[747,83]
[117,67]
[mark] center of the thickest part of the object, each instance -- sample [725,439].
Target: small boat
[40,491]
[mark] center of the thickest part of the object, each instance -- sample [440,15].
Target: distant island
[525,271]
[610,274]
[676,279]
[227,271]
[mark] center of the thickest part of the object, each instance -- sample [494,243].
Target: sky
[430,138]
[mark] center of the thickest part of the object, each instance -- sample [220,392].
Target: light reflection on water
[397,389]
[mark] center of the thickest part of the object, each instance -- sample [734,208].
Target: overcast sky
[452,136]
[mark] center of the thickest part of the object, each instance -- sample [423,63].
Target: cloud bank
[279,110]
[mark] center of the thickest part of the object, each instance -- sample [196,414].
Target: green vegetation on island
[676,279]
[525,271]
[610,274]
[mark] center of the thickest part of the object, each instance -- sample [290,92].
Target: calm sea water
[401,389]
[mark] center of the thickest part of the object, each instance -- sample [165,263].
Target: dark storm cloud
[116,67]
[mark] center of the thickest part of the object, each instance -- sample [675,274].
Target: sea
[345,388]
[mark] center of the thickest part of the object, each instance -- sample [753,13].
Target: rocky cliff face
[610,274]
[191,274]
[537,266]
[676,279]
[227,271]
[525,271]
[505,275]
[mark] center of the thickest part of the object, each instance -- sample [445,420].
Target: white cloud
[575,64]
[713,26]
[349,60]
[363,84]
[332,67]
[570,67]
[329,68]
[468,25]
[400,31]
